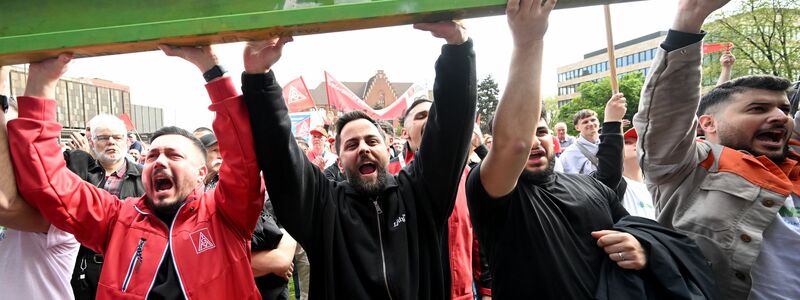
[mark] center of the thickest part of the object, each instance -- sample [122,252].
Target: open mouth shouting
[367,168]
[536,155]
[772,139]
[163,184]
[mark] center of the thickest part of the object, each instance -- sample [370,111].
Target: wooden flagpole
[612,60]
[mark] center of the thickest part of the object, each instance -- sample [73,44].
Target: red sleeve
[238,195]
[43,179]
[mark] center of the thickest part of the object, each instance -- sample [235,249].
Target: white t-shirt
[638,200]
[36,265]
[775,273]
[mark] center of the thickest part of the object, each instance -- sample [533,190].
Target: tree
[551,111]
[595,95]
[487,101]
[766,36]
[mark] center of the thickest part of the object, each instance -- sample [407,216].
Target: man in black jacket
[538,226]
[374,236]
[107,169]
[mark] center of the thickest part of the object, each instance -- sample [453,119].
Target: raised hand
[615,108]
[692,14]
[453,32]
[43,76]
[727,59]
[202,57]
[79,142]
[527,20]
[622,248]
[260,56]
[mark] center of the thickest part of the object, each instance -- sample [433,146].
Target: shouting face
[364,156]
[173,169]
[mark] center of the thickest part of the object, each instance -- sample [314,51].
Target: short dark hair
[172,130]
[201,129]
[410,107]
[722,93]
[350,117]
[386,128]
[581,114]
[794,96]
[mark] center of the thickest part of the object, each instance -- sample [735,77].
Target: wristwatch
[216,71]
[4,102]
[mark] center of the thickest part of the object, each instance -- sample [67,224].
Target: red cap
[630,134]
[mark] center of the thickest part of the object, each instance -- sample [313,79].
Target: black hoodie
[382,247]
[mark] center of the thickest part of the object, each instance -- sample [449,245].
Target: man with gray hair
[110,171]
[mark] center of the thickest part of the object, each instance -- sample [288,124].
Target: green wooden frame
[32,30]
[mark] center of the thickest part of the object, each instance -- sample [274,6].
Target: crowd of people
[695,201]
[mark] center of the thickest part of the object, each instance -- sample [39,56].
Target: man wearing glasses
[110,171]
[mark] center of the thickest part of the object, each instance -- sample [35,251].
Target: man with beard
[374,236]
[736,192]
[177,241]
[539,227]
[106,168]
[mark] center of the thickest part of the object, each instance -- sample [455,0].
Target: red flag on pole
[297,96]
[127,119]
[711,48]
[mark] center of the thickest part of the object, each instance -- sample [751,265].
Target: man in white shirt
[637,200]
[36,258]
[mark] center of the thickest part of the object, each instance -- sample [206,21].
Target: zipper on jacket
[136,262]
[378,212]
[164,254]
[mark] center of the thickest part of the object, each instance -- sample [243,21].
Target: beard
[732,140]
[105,158]
[164,211]
[539,176]
[367,188]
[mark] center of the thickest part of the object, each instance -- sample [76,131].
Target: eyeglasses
[105,138]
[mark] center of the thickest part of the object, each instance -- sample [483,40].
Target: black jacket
[89,263]
[676,269]
[610,158]
[371,248]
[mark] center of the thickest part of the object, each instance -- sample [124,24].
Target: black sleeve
[333,173]
[481,151]
[485,213]
[267,235]
[616,209]
[296,187]
[448,132]
[679,39]
[609,155]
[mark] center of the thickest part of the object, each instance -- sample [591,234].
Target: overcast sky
[405,54]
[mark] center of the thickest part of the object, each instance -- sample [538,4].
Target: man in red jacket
[177,241]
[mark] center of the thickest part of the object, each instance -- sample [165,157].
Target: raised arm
[518,112]
[609,152]
[443,150]
[726,62]
[42,177]
[238,195]
[15,213]
[666,120]
[296,187]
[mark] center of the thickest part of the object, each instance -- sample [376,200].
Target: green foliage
[766,38]
[487,101]
[594,96]
[551,111]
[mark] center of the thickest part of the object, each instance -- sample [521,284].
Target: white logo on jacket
[201,240]
[400,219]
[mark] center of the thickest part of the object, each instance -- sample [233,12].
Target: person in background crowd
[134,153]
[581,156]
[487,140]
[272,252]
[374,236]
[36,258]
[637,200]
[726,61]
[735,192]
[564,139]
[213,160]
[317,154]
[202,131]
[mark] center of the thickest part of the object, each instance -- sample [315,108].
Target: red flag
[341,98]
[711,48]
[297,96]
[128,124]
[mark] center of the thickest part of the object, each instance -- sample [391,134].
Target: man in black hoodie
[374,236]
